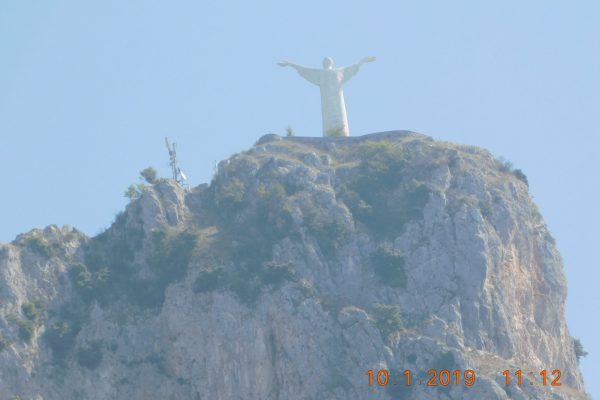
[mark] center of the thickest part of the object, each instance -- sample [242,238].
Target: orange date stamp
[434,377]
[446,377]
[543,377]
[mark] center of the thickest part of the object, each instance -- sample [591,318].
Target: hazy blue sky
[89,89]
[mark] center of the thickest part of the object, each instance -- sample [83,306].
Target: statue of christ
[330,80]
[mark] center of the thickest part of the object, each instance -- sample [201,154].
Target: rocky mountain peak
[305,263]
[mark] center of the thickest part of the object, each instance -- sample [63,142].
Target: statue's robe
[333,108]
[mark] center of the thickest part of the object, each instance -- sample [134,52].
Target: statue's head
[327,63]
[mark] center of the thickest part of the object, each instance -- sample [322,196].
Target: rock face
[304,264]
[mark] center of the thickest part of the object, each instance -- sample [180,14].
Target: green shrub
[276,272]
[389,266]
[328,232]
[383,203]
[248,237]
[247,280]
[579,351]
[504,165]
[272,193]
[132,192]
[508,167]
[248,290]
[41,246]
[229,195]
[252,233]
[147,293]
[33,311]
[291,187]
[413,200]
[60,336]
[381,166]
[149,175]
[521,176]
[26,328]
[379,173]
[4,343]
[115,248]
[168,262]
[387,318]
[172,252]
[101,277]
[210,279]
[90,285]
[90,357]
[486,209]
[453,159]
[81,277]
[445,361]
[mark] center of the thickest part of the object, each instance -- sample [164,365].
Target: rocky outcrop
[304,264]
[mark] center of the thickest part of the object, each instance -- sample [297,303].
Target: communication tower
[177,173]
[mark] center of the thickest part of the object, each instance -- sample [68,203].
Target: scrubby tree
[132,192]
[389,266]
[90,357]
[289,131]
[504,165]
[579,351]
[387,318]
[521,176]
[149,175]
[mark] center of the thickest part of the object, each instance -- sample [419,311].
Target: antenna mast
[173,158]
[178,175]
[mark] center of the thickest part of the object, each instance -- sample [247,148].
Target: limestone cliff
[305,263]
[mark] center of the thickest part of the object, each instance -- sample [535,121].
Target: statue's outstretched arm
[310,74]
[351,70]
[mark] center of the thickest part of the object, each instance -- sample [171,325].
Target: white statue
[330,81]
